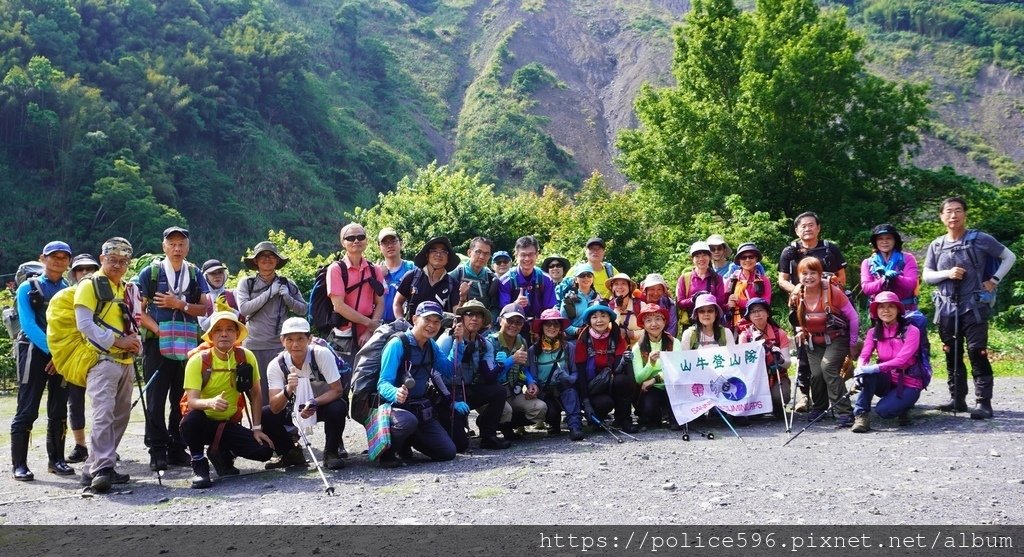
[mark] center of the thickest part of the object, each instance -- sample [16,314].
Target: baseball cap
[212,266]
[117,246]
[175,229]
[595,240]
[386,232]
[295,325]
[499,255]
[511,310]
[429,308]
[57,246]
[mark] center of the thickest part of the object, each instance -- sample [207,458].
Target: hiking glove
[863,370]
[891,274]
[462,408]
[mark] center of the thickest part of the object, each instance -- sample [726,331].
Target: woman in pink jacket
[890,269]
[895,379]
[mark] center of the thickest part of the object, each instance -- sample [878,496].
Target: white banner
[730,377]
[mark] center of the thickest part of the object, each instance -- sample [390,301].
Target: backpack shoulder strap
[207,366]
[283,364]
[315,367]
[154,275]
[608,269]
[240,356]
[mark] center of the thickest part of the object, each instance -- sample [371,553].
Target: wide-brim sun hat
[886,228]
[84,260]
[551,259]
[250,262]
[746,248]
[219,316]
[719,240]
[654,279]
[474,306]
[550,314]
[620,276]
[885,297]
[703,301]
[453,258]
[647,309]
[756,302]
[596,307]
[698,247]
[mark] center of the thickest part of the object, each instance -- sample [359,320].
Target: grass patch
[1005,351]
[487,492]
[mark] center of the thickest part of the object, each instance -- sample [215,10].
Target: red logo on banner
[697,390]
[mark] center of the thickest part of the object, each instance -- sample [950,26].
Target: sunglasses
[743,257]
[559,265]
[717,248]
[356,238]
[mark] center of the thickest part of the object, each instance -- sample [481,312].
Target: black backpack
[321,314]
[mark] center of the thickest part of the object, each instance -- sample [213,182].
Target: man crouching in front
[214,381]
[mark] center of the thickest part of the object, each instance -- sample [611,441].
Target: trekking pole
[726,420]
[145,409]
[602,425]
[143,389]
[785,419]
[848,394]
[620,431]
[328,488]
[956,348]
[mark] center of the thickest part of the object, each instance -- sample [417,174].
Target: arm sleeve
[907,280]
[931,275]
[729,338]
[204,287]
[850,313]
[783,340]
[248,306]
[102,337]
[686,339]
[907,352]
[445,364]
[869,283]
[1007,259]
[641,371]
[294,299]
[868,348]
[27,316]
[390,359]
[276,378]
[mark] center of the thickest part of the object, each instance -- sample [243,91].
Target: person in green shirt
[653,402]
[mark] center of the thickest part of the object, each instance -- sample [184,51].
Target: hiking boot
[861,423]
[177,456]
[626,426]
[19,457]
[342,451]
[815,414]
[954,405]
[78,454]
[223,464]
[576,434]
[201,474]
[332,461]
[802,402]
[102,480]
[983,410]
[157,460]
[291,458]
[492,441]
[115,478]
[22,473]
[555,429]
[60,468]
[904,419]
[845,420]
[507,431]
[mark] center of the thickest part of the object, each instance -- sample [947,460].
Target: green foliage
[773,105]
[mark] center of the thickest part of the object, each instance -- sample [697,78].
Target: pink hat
[705,300]
[885,298]
[647,309]
[550,314]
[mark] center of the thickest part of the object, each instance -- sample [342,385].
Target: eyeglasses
[356,238]
[438,251]
[118,262]
[515,321]
[389,241]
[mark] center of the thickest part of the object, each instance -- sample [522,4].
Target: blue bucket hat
[595,307]
[756,302]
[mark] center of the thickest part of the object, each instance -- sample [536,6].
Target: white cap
[295,325]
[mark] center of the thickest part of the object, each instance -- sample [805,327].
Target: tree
[775,106]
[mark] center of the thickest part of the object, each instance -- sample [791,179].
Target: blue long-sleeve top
[539,290]
[480,367]
[391,378]
[34,325]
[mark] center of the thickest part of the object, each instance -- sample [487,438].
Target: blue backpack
[922,369]
[986,266]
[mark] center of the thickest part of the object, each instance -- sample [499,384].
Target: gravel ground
[940,470]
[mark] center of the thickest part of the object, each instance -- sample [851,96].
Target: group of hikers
[522,340]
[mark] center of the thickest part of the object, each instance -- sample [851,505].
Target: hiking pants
[162,433]
[76,407]
[32,380]
[198,431]
[973,329]
[487,400]
[568,400]
[534,409]
[827,387]
[331,414]
[109,387]
[265,358]
[892,401]
[426,436]
[620,400]
[652,406]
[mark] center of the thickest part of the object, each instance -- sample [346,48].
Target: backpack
[721,339]
[922,368]
[36,299]
[366,370]
[72,356]
[207,372]
[156,267]
[537,280]
[344,371]
[321,314]
[453,288]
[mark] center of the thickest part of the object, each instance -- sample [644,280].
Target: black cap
[595,240]
[175,229]
[212,266]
